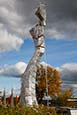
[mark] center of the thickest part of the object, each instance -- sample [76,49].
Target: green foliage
[18,110]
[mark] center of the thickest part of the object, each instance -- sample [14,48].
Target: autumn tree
[48,79]
[63,96]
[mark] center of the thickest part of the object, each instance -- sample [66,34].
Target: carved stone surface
[28,89]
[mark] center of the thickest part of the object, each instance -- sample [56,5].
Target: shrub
[18,110]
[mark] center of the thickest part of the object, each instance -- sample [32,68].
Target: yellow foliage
[63,97]
[50,76]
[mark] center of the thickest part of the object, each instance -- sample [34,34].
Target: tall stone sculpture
[28,85]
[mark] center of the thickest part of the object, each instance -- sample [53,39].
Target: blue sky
[58,52]
[61,51]
[16,19]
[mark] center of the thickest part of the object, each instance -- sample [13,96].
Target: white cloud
[68,73]
[54,33]
[9,42]
[14,17]
[12,26]
[71,67]
[17,17]
[13,70]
